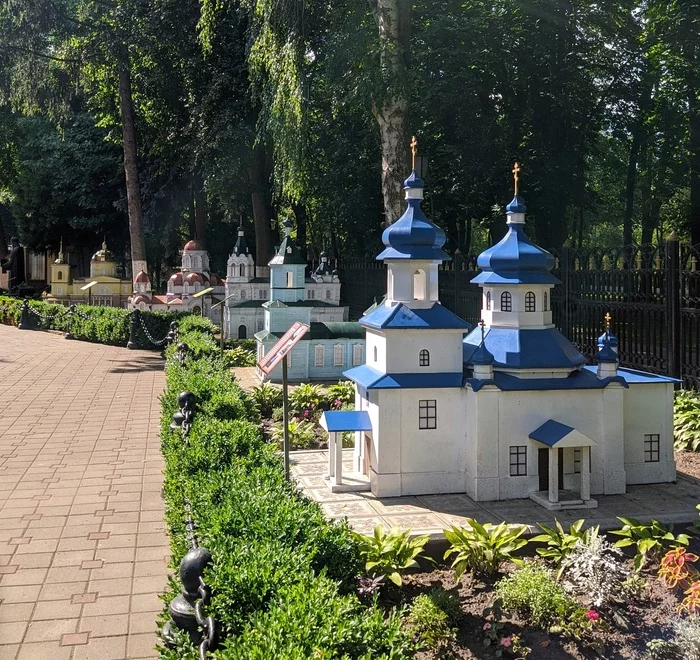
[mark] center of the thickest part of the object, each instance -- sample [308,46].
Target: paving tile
[102,648]
[106,625]
[46,631]
[45,651]
[11,633]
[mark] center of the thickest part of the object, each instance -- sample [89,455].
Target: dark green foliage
[281,573]
[430,623]
[686,420]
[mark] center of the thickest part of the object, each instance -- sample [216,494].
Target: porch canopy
[337,422]
[556,436]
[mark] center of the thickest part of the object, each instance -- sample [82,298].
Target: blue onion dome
[413,236]
[606,354]
[515,259]
[482,355]
[612,339]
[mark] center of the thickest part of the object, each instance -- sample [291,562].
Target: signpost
[199,294]
[87,288]
[221,306]
[278,353]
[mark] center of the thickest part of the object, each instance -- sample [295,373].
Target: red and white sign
[282,347]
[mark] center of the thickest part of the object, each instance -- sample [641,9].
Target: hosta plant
[342,393]
[686,420]
[483,548]
[559,542]
[650,539]
[267,397]
[305,396]
[388,554]
[302,435]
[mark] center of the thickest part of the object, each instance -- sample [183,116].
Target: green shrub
[267,397]
[532,594]
[240,357]
[430,624]
[343,391]
[305,397]
[650,539]
[483,548]
[686,420]
[389,554]
[302,435]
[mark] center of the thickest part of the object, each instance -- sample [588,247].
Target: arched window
[419,292]
[506,302]
[375,353]
[328,294]
[488,300]
[312,294]
[197,310]
[242,294]
[529,302]
[290,280]
[242,332]
[424,358]
[546,302]
[241,271]
[60,275]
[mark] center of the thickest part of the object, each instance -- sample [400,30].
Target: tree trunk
[200,209]
[393,18]
[302,220]
[131,169]
[259,177]
[694,125]
[630,186]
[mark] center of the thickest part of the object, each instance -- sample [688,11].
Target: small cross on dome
[414,151]
[516,178]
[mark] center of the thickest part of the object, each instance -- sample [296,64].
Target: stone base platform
[567,500]
[431,514]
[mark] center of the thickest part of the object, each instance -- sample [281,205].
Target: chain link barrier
[149,336]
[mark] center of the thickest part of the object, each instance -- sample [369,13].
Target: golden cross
[516,170]
[414,149]
[483,330]
[608,318]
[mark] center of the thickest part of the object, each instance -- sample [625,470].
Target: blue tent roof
[371,379]
[335,421]
[551,432]
[606,353]
[401,316]
[583,379]
[525,349]
[413,236]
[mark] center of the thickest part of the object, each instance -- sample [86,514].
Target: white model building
[509,411]
[248,288]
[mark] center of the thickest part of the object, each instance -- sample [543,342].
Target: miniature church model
[330,346]
[248,287]
[509,411]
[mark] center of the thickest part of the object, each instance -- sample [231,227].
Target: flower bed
[282,575]
[102,325]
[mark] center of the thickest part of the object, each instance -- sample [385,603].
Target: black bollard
[71,310]
[133,329]
[182,607]
[26,322]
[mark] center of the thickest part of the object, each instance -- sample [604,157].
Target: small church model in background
[194,276]
[332,343]
[509,411]
[110,290]
[248,287]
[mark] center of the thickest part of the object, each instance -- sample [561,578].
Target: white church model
[509,411]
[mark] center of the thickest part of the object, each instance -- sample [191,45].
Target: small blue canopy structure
[553,433]
[337,421]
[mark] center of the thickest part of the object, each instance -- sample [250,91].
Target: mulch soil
[688,462]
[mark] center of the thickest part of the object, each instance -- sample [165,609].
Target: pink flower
[487,626]
[506,641]
[337,403]
[592,615]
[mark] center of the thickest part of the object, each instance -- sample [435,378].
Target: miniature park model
[509,411]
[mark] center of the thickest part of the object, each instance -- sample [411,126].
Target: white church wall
[649,412]
[444,349]
[405,286]
[376,350]
[518,316]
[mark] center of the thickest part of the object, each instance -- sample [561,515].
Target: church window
[357,354]
[262,294]
[424,358]
[328,294]
[488,300]
[312,294]
[577,460]
[419,285]
[241,270]
[375,353]
[59,276]
[319,356]
[529,302]
[518,461]
[259,325]
[506,302]
[651,447]
[242,294]
[427,414]
[546,302]
[338,357]
[290,280]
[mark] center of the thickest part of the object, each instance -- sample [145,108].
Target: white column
[337,478]
[585,473]
[554,474]
[331,455]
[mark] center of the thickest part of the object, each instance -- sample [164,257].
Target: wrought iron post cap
[191,568]
[185,400]
[173,325]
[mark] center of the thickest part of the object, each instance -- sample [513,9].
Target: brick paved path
[82,544]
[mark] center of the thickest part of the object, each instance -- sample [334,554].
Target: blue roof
[371,379]
[606,354]
[634,376]
[583,379]
[482,355]
[399,315]
[346,420]
[551,432]
[525,349]
[413,236]
[515,259]
[517,205]
[611,338]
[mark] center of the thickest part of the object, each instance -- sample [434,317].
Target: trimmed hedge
[104,325]
[282,575]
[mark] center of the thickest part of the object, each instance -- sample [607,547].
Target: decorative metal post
[182,419]
[71,311]
[133,328]
[25,319]
[564,265]
[285,416]
[673,306]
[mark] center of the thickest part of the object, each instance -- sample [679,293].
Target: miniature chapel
[511,410]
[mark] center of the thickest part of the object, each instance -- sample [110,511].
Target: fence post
[673,306]
[564,270]
[25,319]
[456,270]
[133,328]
